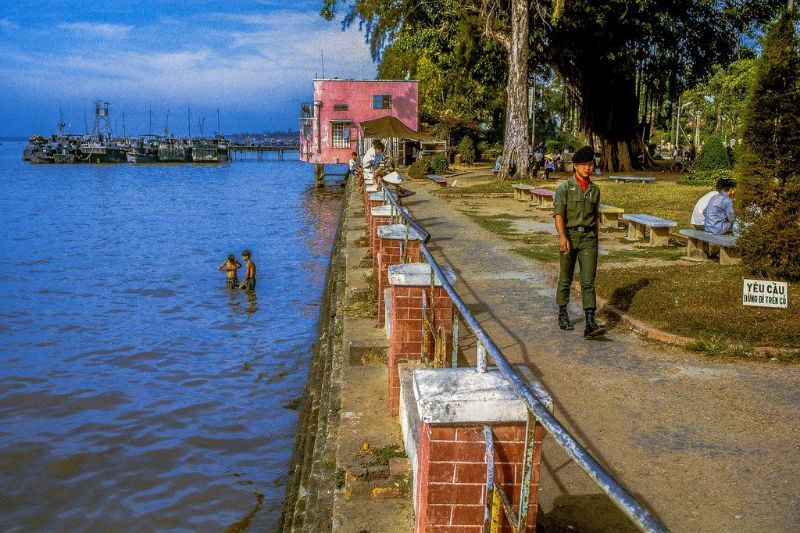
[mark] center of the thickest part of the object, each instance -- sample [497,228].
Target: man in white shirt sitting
[698,218]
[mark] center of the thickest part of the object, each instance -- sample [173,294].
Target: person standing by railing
[576,212]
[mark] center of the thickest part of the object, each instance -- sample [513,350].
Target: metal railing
[538,412]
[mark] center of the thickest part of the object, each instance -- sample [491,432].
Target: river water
[136,392]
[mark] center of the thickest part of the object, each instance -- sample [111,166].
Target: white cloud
[6,24]
[258,61]
[97,29]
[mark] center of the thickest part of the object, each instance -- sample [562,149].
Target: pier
[240,151]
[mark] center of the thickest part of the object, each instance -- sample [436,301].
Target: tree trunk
[515,146]
[616,156]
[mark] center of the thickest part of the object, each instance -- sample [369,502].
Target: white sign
[762,293]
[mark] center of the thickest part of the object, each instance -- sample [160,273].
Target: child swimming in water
[231,268]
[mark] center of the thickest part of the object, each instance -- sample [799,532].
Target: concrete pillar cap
[466,396]
[417,275]
[371,188]
[397,232]
[377,196]
[386,211]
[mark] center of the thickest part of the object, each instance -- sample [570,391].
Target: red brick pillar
[409,284]
[379,216]
[449,456]
[395,243]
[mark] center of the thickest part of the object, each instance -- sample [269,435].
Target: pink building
[329,127]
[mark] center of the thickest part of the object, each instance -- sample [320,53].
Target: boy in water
[249,282]
[231,268]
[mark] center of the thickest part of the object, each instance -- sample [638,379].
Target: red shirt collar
[583,183]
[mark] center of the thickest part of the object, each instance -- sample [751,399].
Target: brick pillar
[379,216]
[389,242]
[372,199]
[452,406]
[408,282]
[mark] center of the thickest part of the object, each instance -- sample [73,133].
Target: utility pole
[189,119]
[219,130]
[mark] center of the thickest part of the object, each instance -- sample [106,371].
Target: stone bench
[542,197]
[438,180]
[609,216]
[632,179]
[700,243]
[520,189]
[639,224]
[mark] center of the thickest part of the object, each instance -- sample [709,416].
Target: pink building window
[341,134]
[382,101]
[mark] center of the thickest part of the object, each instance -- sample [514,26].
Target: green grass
[381,456]
[488,187]
[365,304]
[702,301]
[666,200]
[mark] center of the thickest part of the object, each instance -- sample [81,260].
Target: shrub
[714,155]
[769,191]
[439,164]
[707,177]
[489,152]
[467,150]
[551,147]
[419,168]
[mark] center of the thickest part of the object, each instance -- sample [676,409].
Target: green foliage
[720,101]
[420,168]
[714,155]
[707,177]
[466,147]
[769,163]
[439,164]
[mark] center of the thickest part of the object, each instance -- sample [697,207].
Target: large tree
[624,58]
[769,192]
[505,21]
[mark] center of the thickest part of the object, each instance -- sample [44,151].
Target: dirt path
[709,445]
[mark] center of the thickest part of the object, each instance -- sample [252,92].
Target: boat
[143,151]
[171,150]
[102,151]
[209,151]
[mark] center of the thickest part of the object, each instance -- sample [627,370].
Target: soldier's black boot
[593,328]
[563,318]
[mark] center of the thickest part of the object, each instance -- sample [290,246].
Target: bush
[714,155]
[707,177]
[420,168]
[489,152]
[467,150]
[439,164]
[551,147]
[769,191]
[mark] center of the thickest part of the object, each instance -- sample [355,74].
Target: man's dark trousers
[583,250]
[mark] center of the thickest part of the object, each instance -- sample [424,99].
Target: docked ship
[210,150]
[143,150]
[172,150]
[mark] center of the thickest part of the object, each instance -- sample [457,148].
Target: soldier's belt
[582,229]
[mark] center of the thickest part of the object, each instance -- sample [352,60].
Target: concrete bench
[639,223]
[700,243]
[609,216]
[542,197]
[520,189]
[632,179]
[438,180]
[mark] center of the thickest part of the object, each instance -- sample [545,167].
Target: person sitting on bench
[718,214]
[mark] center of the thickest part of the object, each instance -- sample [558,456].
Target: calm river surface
[136,392]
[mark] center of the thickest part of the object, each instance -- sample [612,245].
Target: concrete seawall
[340,477]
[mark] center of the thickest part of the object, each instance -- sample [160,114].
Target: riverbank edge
[310,485]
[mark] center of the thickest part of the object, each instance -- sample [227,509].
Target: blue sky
[253,59]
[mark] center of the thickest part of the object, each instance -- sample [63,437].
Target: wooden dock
[240,151]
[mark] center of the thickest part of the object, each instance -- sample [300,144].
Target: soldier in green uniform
[575,209]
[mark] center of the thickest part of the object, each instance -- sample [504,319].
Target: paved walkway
[709,445]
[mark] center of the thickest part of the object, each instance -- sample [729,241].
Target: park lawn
[702,301]
[487,187]
[672,201]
